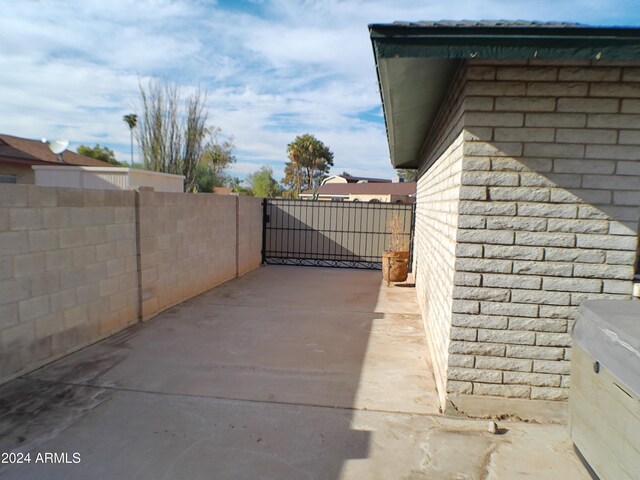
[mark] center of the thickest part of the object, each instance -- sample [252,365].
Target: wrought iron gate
[329,234]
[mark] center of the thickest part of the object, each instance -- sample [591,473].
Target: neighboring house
[30,161]
[365,192]
[18,155]
[352,179]
[526,137]
[223,190]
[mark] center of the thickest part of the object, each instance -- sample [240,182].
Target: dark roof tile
[36,152]
[487,23]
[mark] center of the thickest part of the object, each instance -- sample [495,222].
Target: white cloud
[243,168]
[274,69]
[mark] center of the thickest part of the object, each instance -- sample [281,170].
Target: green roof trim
[416,63]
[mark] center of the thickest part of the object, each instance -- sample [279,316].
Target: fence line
[330,234]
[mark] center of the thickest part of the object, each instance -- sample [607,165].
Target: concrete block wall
[67,271]
[69,261]
[191,243]
[249,233]
[548,217]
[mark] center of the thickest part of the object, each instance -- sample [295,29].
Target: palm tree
[310,160]
[131,120]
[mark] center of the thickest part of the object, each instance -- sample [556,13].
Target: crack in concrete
[487,460]
[230,399]
[283,308]
[509,417]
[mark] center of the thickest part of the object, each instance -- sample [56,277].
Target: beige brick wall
[69,267]
[67,271]
[548,217]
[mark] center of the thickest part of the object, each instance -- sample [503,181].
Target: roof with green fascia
[416,63]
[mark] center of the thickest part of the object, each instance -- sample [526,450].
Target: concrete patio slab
[327,289]
[267,348]
[286,373]
[125,435]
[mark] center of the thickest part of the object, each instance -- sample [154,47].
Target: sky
[272,69]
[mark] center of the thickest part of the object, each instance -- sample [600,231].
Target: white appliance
[604,400]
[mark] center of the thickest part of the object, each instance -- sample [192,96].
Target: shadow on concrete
[258,378]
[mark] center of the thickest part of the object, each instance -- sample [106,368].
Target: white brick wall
[436,231]
[548,217]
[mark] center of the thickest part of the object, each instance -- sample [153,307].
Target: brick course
[437,226]
[57,273]
[547,217]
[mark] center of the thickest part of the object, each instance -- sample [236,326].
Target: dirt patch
[85,367]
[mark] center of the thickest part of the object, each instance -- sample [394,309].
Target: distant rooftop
[25,151]
[223,190]
[354,179]
[402,188]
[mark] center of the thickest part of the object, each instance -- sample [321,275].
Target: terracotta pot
[395,266]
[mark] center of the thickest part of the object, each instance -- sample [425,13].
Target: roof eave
[435,53]
[22,160]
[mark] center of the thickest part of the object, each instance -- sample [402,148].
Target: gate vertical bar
[265,220]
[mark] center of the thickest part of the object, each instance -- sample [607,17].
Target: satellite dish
[58,146]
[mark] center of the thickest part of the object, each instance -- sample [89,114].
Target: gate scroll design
[330,234]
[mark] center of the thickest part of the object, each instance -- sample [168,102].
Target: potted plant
[395,259]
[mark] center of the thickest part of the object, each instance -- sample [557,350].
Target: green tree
[407,175]
[309,163]
[216,157]
[132,121]
[237,186]
[205,179]
[218,152]
[99,153]
[263,184]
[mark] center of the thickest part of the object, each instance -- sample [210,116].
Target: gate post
[265,220]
